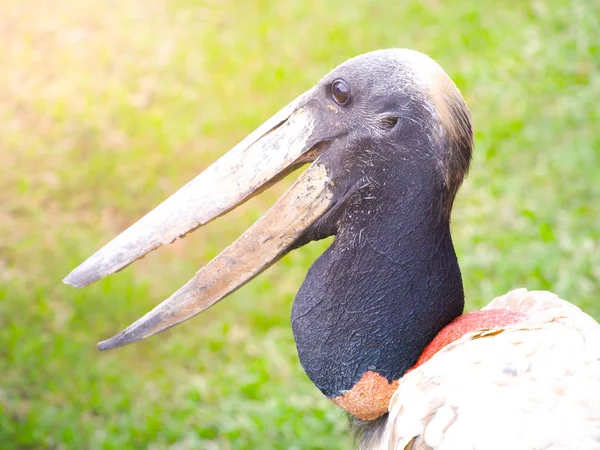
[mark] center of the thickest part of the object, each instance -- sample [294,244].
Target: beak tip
[119,340]
[87,272]
[131,334]
[71,281]
[106,345]
[78,278]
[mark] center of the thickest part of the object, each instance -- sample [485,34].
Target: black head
[388,104]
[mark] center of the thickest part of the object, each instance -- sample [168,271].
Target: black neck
[386,286]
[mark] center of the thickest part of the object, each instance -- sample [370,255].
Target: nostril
[388,122]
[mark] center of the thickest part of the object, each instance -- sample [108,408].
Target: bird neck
[378,296]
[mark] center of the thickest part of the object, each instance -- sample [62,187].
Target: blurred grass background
[107,107]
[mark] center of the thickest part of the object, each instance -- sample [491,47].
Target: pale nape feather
[534,385]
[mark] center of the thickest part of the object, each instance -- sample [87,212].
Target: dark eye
[388,122]
[340,92]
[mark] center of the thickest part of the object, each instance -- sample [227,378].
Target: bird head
[387,138]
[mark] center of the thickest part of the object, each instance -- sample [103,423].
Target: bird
[379,320]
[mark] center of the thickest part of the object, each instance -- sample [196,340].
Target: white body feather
[533,385]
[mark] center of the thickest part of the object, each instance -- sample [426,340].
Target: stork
[378,321]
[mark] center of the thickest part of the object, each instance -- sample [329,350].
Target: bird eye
[388,122]
[340,92]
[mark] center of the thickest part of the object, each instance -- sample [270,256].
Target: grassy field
[107,107]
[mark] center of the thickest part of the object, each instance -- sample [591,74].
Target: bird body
[389,140]
[530,385]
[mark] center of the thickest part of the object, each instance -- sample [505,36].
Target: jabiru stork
[378,321]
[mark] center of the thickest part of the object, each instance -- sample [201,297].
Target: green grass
[107,107]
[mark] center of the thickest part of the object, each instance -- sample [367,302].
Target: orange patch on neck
[369,398]
[473,321]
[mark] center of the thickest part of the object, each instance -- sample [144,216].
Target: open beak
[283,143]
